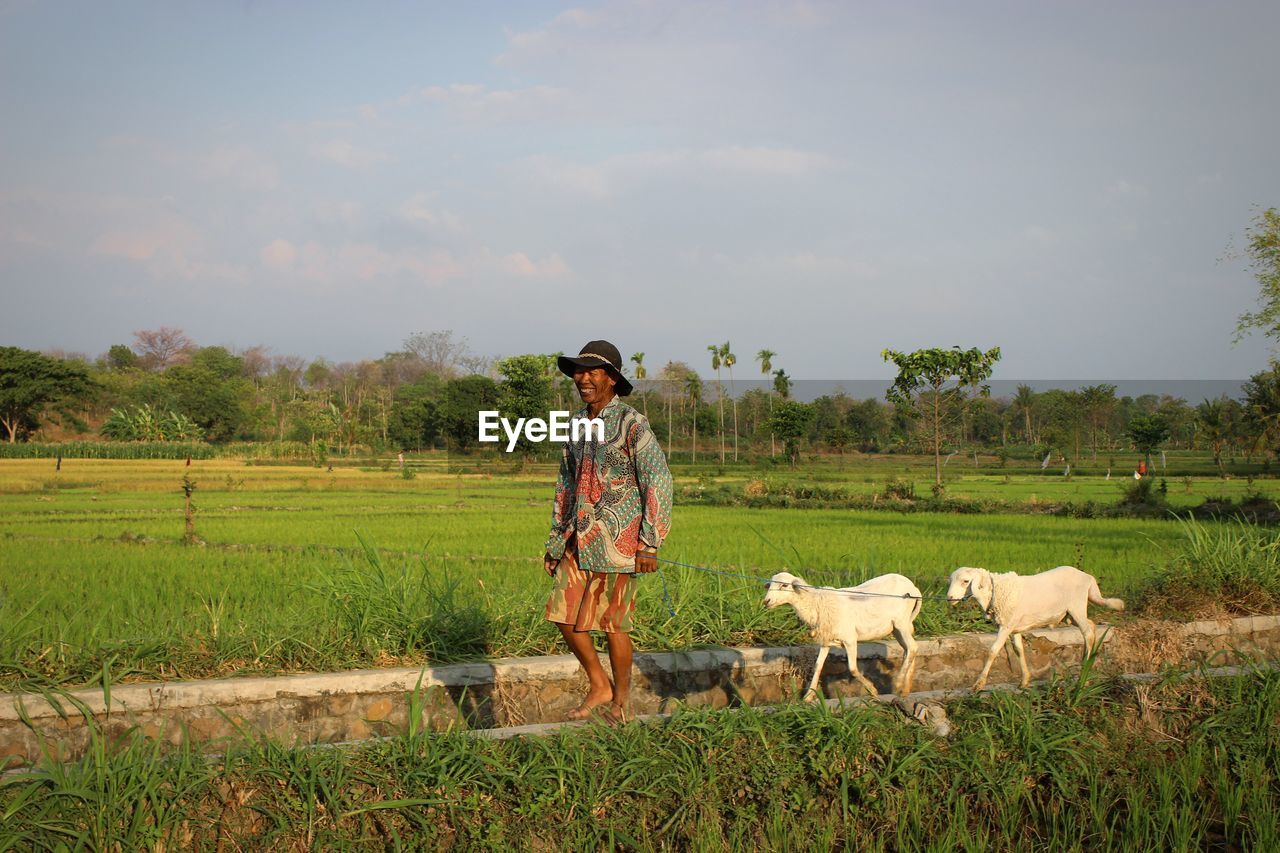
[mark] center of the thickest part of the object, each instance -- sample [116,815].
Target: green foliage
[31,383]
[789,422]
[1148,432]
[525,391]
[931,383]
[1232,567]
[1262,407]
[465,397]
[110,450]
[1184,763]
[142,423]
[416,414]
[1264,261]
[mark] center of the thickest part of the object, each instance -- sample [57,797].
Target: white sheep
[1018,603]
[842,617]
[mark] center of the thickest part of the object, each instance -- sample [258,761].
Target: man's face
[594,385]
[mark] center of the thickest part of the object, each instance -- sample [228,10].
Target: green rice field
[306,568]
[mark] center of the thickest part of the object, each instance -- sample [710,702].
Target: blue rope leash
[666,595]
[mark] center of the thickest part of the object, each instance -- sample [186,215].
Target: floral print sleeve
[562,508]
[654,481]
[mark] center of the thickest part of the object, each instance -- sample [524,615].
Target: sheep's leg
[811,695]
[1087,630]
[1021,654]
[851,649]
[907,640]
[1001,637]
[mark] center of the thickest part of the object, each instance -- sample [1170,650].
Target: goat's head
[967,581]
[782,588]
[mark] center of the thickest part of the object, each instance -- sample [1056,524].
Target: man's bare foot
[594,700]
[613,714]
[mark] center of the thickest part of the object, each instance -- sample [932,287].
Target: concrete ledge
[515,692]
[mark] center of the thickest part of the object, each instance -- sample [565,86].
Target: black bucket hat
[598,354]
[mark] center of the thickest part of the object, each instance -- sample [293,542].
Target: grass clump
[1230,568]
[1186,764]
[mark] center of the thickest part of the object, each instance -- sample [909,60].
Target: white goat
[842,617]
[1018,603]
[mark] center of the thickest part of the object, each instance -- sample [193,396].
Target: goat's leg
[907,640]
[1021,654]
[1080,618]
[852,651]
[811,695]
[1001,637]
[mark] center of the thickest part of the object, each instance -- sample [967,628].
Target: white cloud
[612,175]
[241,166]
[475,104]
[279,255]
[417,210]
[346,154]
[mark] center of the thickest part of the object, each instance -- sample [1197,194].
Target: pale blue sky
[821,179]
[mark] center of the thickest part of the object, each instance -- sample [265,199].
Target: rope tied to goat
[666,596]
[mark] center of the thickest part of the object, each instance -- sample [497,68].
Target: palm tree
[693,387]
[765,357]
[730,360]
[716,354]
[782,383]
[641,373]
[1025,401]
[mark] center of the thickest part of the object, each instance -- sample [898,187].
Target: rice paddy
[95,581]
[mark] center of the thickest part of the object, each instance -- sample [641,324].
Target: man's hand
[646,561]
[549,563]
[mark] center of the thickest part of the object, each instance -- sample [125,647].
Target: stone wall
[347,706]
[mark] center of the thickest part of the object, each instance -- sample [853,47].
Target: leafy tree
[417,414]
[1025,403]
[211,390]
[31,383]
[718,353]
[1148,432]
[525,391]
[765,357]
[641,375]
[693,387]
[1216,423]
[464,398]
[790,422]
[120,357]
[869,423]
[1262,407]
[782,383]
[1264,261]
[931,381]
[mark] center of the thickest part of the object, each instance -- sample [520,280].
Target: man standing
[611,512]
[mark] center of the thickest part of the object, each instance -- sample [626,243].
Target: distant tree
[729,359]
[211,390]
[931,381]
[1025,403]
[1264,261]
[1262,408]
[641,375]
[765,357]
[790,422]
[32,384]
[120,357]
[693,387]
[160,349]
[440,352]
[782,383]
[1216,424]
[1148,432]
[869,424]
[464,398]
[417,414]
[525,391]
[717,356]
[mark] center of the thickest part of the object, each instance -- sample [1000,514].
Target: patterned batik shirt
[614,494]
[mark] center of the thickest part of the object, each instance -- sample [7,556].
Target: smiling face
[595,386]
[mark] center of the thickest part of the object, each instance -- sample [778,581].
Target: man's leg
[600,691]
[620,663]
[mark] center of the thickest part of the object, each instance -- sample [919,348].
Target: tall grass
[1182,764]
[1232,567]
